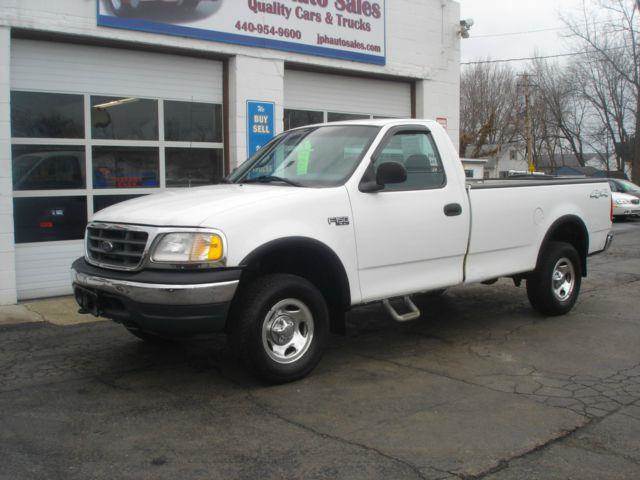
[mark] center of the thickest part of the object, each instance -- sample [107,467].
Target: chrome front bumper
[159,294]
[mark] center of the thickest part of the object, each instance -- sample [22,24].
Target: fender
[293,244]
[555,232]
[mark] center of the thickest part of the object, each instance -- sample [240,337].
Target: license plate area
[89,301]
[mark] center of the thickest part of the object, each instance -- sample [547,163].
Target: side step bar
[412,314]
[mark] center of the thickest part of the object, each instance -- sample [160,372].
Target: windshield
[309,157]
[628,187]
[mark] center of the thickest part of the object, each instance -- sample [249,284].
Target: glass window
[121,118]
[341,117]
[301,118]
[192,122]
[47,167]
[417,152]
[312,157]
[46,115]
[48,219]
[100,202]
[468,173]
[193,167]
[125,167]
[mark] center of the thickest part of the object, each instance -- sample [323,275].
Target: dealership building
[106,100]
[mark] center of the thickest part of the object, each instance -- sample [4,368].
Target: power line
[526,32]
[524,59]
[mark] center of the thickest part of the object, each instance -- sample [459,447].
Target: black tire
[251,314]
[123,10]
[148,337]
[540,284]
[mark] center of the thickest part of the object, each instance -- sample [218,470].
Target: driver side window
[417,152]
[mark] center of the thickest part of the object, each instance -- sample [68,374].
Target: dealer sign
[346,29]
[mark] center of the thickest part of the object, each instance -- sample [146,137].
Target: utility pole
[528,129]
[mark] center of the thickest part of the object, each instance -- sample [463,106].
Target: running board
[412,314]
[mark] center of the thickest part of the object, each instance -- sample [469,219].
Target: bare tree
[488,107]
[607,30]
[564,110]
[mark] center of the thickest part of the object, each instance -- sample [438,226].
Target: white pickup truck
[323,219]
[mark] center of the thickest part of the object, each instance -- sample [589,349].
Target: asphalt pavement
[480,387]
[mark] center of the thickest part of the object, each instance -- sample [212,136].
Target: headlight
[189,247]
[622,201]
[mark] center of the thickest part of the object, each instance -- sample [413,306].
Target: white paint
[67,68]
[252,79]
[337,93]
[7,260]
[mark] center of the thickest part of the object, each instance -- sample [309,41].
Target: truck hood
[192,207]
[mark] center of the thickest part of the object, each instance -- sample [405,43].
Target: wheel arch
[570,229]
[310,259]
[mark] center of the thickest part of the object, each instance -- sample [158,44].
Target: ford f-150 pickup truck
[325,218]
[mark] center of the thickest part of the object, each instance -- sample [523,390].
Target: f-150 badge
[338,221]
[599,194]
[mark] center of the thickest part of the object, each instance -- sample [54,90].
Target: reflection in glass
[47,167]
[46,115]
[341,117]
[124,118]
[48,219]
[192,122]
[100,202]
[192,167]
[301,118]
[125,167]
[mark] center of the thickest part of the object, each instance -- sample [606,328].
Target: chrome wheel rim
[563,280]
[287,331]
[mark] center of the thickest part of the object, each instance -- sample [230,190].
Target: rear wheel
[280,327]
[554,286]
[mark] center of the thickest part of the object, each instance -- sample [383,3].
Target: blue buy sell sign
[260,125]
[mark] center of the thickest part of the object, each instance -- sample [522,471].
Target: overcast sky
[508,16]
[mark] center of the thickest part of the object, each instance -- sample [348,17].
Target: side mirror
[391,172]
[387,173]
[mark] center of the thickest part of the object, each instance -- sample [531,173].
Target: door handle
[453,210]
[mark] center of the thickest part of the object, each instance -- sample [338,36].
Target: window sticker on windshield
[304,155]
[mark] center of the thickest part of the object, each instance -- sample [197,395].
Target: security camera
[465,27]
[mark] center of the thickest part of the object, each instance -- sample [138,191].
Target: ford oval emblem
[106,246]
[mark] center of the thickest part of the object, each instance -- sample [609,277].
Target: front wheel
[554,286]
[280,327]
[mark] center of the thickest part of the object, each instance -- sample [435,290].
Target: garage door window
[75,154]
[124,118]
[47,115]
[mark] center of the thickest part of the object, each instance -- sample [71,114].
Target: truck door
[411,236]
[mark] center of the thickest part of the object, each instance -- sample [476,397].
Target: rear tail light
[611,213]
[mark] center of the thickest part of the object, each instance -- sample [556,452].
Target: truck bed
[516,183]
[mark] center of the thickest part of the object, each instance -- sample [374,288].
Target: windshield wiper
[271,178]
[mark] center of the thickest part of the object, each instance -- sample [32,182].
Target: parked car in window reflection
[46,170]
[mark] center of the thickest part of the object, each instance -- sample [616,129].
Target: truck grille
[118,248]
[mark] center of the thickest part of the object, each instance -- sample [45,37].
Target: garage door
[311,97]
[94,126]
